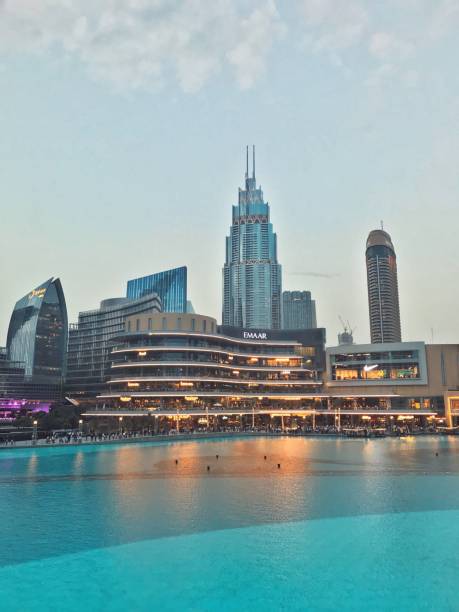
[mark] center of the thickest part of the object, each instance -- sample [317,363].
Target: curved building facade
[90,342]
[181,362]
[382,281]
[252,283]
[37,334]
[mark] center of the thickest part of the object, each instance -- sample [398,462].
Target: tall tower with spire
[252,276]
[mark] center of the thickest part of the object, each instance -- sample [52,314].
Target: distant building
[252,283]
[91,340]
[170,285]
[382,288]
[37,334]
[345,337]
[298,310]
[32,365]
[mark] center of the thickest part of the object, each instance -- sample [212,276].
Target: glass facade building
[90,342]
[37,334]
[298,310]
[20,394]
[170,285]
[252,283]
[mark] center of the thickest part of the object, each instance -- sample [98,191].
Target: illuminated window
[346,374]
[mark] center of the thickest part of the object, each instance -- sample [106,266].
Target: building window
[164,323]
[179,323]
[137,325]
[443,369]
[204,326]
[193,324]
[149,324]
[212,327]
[129,326]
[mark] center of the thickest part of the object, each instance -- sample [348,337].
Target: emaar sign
[255,335]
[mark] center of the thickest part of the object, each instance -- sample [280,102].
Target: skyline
[349,135]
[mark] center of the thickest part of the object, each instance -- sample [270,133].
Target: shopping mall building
[183,366]
[405,381]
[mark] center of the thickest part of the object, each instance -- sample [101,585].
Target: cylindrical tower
[383,300]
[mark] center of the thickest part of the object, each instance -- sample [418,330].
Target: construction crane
[346,336]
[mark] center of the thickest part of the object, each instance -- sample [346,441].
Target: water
[348,524]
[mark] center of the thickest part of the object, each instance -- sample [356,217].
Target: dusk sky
[123,126]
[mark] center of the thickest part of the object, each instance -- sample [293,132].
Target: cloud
[334,24]
[248,57]
[385,46]
[338,27]
[141,43]
[444,18]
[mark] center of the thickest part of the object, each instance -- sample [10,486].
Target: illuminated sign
[255,335]
[38,293]
[369,368]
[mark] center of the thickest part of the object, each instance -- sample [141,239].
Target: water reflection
[93,499]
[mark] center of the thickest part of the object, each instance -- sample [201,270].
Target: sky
[123,126]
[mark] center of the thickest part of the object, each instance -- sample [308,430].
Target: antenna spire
[253,163]
[382,224]
[247,162]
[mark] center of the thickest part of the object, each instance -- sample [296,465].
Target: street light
[120,419]
[80,429]
[34,433]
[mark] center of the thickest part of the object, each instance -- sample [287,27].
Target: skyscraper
[37,334]
[298,310]
[252,281]
[170,285]
[382,288]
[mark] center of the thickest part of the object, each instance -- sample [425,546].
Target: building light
[185,384]
[253,360]
[191,398]
[125,399]
[236,372]
[142,353]
[285,372]
[133,384]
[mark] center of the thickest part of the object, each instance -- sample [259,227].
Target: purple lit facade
[10,408]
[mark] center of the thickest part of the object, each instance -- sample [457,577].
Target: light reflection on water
[73,499]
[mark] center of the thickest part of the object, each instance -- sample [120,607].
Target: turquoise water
[343,524]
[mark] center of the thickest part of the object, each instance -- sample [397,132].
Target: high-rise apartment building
[91,340]
[170,285]
[298,310]
[252,282]
[382,288]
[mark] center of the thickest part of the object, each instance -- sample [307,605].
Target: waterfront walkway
[87,441]
[138,438]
